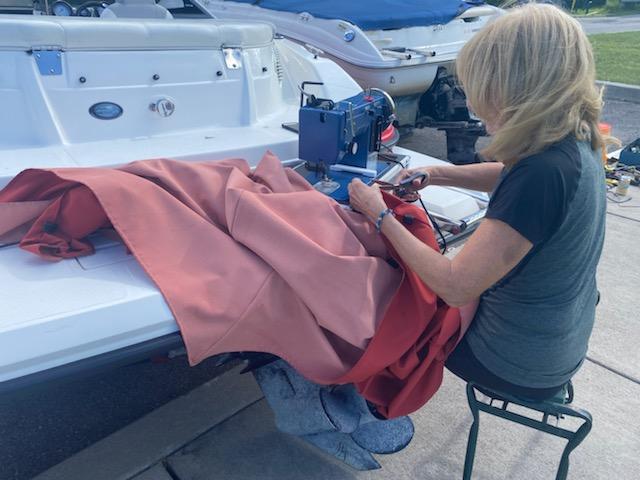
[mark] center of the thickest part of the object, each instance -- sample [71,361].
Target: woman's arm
[489,254]
[479,176]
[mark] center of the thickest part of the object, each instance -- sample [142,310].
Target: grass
[617,56]
[612,7]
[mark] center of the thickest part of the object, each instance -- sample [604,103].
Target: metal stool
[557,406]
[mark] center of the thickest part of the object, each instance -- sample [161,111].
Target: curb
[140,446]
[620,91]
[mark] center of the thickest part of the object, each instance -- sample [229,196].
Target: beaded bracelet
[383,214]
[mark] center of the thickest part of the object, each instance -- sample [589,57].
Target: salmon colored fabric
[16,219]
[258,261]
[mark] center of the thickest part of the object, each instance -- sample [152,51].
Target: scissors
[404,188]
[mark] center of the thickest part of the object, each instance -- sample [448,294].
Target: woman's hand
[417,184]
[366,200]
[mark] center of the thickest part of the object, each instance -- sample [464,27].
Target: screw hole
[82,80]
[156,76]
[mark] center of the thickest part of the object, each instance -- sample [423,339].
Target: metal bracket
[232,58]
[316,52]
[48,59]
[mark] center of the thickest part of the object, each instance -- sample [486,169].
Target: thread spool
[605,130]
[623,185]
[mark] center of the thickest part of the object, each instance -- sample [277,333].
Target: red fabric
[227,248]
[402,368]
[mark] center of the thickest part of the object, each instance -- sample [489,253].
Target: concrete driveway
[624,23]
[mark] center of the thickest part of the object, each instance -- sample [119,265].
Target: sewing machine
[340,141]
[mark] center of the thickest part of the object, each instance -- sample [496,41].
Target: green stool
[557,406]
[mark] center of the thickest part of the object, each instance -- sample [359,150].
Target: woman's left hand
[366,200]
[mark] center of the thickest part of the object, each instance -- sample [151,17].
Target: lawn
[611,7]
[606,7]
[617,56]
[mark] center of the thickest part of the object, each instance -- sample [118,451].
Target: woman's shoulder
[534,194]
[560,158]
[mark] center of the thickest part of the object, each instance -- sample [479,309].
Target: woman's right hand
[409,193]
[417,184]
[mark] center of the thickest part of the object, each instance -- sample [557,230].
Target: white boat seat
[24,32]
[135,9]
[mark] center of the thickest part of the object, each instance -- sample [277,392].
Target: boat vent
[277,64]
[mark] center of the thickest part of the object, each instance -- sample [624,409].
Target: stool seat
[558,406]
[563,396]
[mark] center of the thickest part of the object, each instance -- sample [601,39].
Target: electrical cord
[436,226]
[392,160]
[615,198]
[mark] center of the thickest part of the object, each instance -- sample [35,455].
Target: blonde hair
[533,70]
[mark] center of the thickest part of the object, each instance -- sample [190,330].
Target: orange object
[605,129]
[388,134]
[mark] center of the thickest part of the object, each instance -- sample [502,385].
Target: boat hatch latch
[232,58]
[48,59]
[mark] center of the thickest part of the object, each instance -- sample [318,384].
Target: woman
[530,77]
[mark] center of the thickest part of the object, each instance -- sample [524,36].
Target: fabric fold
[257,261]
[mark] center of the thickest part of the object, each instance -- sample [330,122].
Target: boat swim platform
[225,429]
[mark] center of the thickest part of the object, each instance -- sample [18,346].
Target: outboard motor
[444,106]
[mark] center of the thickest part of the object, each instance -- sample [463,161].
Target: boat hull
[398,82]
[402,61]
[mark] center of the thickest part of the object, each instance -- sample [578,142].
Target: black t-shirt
[533,196]
[532,327]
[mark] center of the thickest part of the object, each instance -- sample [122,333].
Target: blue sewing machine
[340,141]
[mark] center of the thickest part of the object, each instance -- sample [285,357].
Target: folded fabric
[258,261]
[16,219]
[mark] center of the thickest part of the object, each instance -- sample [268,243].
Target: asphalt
[224,429]
[624,23]
[44,426]
[623,116]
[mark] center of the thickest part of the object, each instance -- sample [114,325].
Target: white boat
[87,92]
[397,46]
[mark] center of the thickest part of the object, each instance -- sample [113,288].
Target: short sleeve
[534,195]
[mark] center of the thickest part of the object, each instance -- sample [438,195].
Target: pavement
[42,426]
[224,429]
[613,24]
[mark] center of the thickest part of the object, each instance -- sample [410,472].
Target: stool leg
[573,442]
[473,433]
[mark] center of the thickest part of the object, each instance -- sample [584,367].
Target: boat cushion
[378,15]
[24,32]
